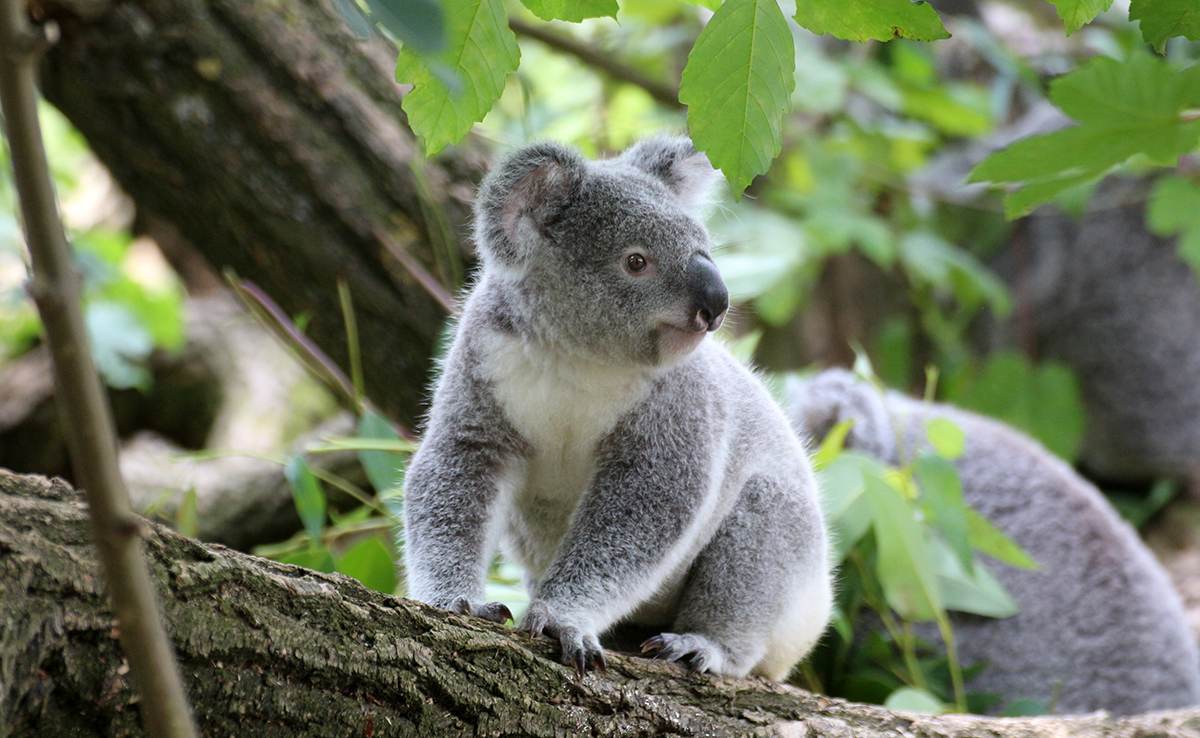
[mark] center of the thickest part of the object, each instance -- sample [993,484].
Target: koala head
[607,259]
[816,404]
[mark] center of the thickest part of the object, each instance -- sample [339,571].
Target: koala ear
[520,195]
[675,161]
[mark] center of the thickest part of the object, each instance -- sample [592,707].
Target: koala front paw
[497,612]
[700,653]
[580,650]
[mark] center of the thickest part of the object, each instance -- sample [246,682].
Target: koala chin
[583,425]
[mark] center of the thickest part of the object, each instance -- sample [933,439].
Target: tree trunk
[274,141]
[274,650]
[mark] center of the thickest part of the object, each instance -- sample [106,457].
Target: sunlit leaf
[988,539]
[946,438]
[832,444]
[572,10]
[480,50]
[911,699]
[1160,20]
[1075,13]
[976,591]
[863,20]
[737,85]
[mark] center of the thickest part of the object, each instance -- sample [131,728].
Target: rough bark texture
[275,142]
[275,650]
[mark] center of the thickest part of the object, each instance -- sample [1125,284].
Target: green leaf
[308,496]
[946,438]
[975,591]
[943,499]
[911,699]
[862,20]
[572,10]
[1163,19]
[1124,109]
[417,23]
[1174,209]
[481,50]
[904,566]
[841,484]
[120,344]
[1025,707]
[316,558]
[385,469]
[737,85]
[988,539]
[370,562]
[832,444]
[1075,13]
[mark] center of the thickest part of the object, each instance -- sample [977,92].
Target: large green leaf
[862,20]
[1163,19]
[308,496]
[737,85]
[370,562]
[1136,107]
[943,501]
[1075,13]
[904,566]
[572,10]
[480,50]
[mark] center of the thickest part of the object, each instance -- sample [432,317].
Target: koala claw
[538,620]
[698,651]
[580,650]
[497,612]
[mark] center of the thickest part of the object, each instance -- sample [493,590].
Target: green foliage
[1075,13]
[308,496]
[1041,400]
[863,20]
[418,23]
[572,10]
[1174,209]
[738,85]
[1139,107]
[1164,19]
[456,88]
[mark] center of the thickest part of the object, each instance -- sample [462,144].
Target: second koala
[582,424]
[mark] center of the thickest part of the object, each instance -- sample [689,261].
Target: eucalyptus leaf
[307,494]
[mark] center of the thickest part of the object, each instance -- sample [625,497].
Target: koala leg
[759,594]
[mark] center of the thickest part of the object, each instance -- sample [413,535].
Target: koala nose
[710,298]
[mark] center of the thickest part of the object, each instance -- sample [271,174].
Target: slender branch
[85,414]
[664,93]
[418,272]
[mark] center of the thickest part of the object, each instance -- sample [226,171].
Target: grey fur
[1100,624]
[638,473]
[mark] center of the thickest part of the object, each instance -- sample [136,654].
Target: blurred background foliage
[862,243]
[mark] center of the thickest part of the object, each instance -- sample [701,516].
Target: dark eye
[636,263]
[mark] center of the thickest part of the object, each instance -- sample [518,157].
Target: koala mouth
[678,340]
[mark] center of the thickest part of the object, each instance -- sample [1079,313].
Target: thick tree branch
[273,650]
[82,401]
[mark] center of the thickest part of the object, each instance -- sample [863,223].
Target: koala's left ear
[675,161]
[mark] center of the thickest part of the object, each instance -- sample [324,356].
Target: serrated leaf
[1160,20]
[307,494]
[737,85]
[1124,109]
[481,51]
[572,10]
[987,538]
[1076,13]
[417,23]
[862,20]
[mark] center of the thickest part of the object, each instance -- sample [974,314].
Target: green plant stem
[956,677]
[86,417]
[352,347]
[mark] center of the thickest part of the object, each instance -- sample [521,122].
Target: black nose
[710,298]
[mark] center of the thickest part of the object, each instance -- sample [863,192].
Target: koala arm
[452,493]
[655,482]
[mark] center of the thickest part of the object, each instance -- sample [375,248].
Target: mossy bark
[274,140]
[274,650]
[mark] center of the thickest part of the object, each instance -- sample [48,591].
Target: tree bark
[274,141]
[274,650]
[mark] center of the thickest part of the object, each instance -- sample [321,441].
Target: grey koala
[583,425]
[1100,625]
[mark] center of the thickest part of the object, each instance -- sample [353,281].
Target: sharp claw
[599,664]
[580,669]
[652,644]
[508,616]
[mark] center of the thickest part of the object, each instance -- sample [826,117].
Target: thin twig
[664,93]
[86,417]
[413,267]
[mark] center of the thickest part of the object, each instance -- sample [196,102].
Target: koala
[584,426]
[1100,626]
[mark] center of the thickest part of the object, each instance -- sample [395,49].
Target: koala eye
[636,263]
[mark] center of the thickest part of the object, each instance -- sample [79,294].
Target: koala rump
[582,424]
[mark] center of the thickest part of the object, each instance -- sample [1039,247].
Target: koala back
[1100,625]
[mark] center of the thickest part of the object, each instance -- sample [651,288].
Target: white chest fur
[563,407]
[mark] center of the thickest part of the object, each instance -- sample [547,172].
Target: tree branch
[83,404]
[664,93]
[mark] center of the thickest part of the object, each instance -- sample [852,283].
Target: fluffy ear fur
[675,161]
[520,195]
